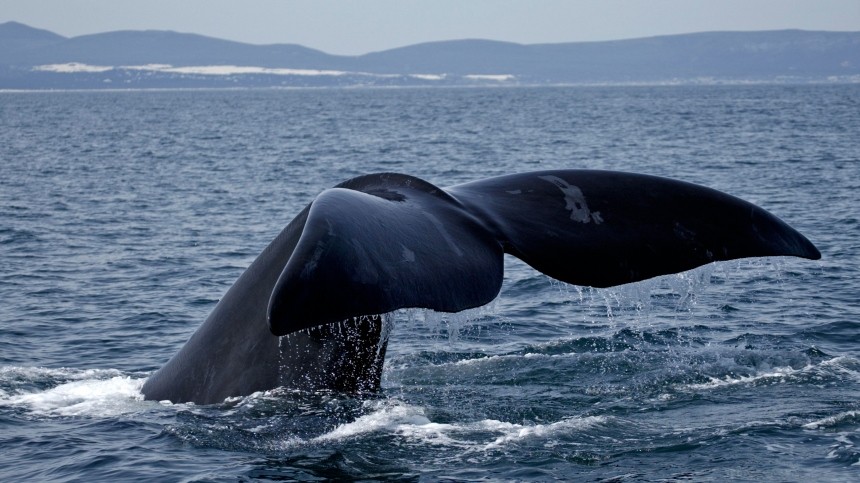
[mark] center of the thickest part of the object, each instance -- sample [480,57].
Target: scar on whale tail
[381,242]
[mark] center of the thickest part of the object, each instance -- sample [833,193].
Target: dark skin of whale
[305,314]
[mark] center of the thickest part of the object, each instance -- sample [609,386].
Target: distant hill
[31,58]
[17,39]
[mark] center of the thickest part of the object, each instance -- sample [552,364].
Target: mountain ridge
[36,58]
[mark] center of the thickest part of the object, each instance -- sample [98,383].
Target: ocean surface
[126,215]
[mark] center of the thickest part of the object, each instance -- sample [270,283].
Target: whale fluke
[381,242]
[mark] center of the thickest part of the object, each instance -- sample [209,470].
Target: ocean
[126,215]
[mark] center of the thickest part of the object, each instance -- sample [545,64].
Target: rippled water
[124,216]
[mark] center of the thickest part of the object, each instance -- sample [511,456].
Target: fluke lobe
[380,242]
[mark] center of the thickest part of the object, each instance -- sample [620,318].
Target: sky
[353,27]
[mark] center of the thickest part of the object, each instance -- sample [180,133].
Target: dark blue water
[124,216]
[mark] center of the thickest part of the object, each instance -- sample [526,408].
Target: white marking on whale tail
[574,201]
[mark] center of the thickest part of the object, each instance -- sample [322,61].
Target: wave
[70,392]
[841,366]
[107,393]
[829,422]
[411,422]
[732,380]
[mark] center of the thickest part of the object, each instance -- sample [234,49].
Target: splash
[451,323]
[70,392]
[513,433]
[389,416]
[411,422]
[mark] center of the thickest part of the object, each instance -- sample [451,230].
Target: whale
[312,312]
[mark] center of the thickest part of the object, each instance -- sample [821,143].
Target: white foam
[91,392]
[841,364]
[844,365]
[513,433]
[505,357]
[831,421]
[477,360]
[777,373]
[412,423]
[37,373]
[392,416]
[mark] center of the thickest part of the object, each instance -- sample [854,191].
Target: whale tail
[382,242]
[604,228]
[388,241]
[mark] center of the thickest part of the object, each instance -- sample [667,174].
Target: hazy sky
[356,27]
